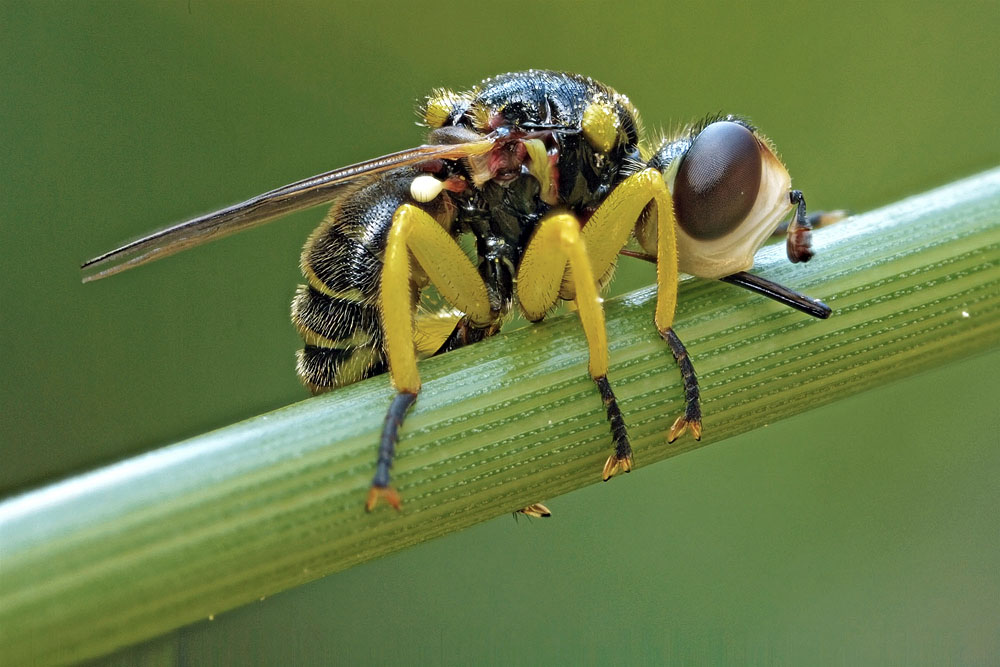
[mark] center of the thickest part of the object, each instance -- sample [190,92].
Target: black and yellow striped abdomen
[343,339]
[337,310]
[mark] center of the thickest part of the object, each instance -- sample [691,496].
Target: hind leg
[445,331]
[416,233]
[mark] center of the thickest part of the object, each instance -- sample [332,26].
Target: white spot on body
[425,188]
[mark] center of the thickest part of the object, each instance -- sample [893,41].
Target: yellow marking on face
[601,126]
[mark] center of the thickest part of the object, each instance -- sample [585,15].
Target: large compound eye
[718,180]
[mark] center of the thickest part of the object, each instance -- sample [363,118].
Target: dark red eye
[718,181]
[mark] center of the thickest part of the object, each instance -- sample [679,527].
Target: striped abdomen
[343,339]
[336,312]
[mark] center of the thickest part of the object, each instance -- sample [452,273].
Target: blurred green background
[862,532]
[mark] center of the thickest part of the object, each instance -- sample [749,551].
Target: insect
[534,511]
[549,176]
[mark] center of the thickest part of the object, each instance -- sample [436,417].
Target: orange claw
[681,425]
[614,464]
[389,494]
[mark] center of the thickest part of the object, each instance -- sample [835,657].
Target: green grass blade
[134,550]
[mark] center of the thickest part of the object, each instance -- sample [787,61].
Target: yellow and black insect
[549,174]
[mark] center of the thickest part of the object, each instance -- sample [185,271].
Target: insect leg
[416,232]
[557,239]
[607,231]
[666,304]
[448,330]
[444,331]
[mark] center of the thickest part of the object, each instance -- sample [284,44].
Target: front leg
[606,233]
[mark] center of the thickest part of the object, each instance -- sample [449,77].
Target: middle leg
[556,241]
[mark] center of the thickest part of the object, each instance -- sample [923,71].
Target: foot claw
[682,425]
[614,464]
[387,493]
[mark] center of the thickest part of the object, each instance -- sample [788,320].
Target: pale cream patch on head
[734,251]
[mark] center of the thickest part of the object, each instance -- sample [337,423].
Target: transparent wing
[297,196]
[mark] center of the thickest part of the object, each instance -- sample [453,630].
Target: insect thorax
[590,135]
